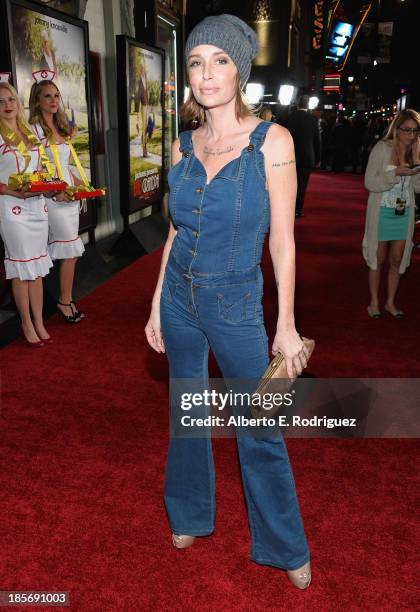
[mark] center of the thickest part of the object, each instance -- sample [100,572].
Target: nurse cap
[43,75]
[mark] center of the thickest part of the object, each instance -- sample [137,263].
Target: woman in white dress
[50,124]
[23,217]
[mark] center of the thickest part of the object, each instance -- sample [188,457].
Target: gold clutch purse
[276,380]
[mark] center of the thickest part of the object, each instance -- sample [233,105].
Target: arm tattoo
[284,163]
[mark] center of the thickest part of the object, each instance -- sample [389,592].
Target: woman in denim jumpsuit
[224,191]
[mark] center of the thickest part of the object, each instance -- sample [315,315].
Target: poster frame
[97,103]
[123,43]
[7,48]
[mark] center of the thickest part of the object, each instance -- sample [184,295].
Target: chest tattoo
[209,151]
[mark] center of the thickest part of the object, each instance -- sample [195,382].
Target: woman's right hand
[61,196]
[406,171]
[154,332]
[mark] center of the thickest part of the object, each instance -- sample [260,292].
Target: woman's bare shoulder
[277,133]
[278,139]
[176,153]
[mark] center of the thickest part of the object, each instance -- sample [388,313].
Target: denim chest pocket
[236,306]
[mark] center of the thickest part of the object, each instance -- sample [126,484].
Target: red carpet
[84,437]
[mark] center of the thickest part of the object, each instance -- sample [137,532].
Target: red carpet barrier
[84,438]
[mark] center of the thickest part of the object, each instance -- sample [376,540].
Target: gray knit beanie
[232,35]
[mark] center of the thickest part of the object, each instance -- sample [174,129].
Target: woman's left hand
[292,348]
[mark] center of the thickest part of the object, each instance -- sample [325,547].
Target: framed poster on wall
[141,124]
[36,37]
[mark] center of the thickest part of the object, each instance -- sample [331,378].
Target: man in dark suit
[305,131]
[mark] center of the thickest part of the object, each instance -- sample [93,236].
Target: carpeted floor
[84,438]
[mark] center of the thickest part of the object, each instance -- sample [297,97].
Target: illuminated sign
[339,42]
[319,14]
[331,82]
[344,22]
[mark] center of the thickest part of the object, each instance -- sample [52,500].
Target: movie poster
[39,41]
[145,125]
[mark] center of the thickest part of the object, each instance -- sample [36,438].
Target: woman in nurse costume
[23,215]
[50,124]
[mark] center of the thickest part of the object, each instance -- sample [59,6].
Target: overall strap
[185,141]
[258,135]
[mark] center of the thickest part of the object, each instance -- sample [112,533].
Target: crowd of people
[348,141]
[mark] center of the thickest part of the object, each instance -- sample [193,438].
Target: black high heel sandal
[77,313]
[68,318]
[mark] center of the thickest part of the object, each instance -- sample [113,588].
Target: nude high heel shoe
[301,577]
[182,541]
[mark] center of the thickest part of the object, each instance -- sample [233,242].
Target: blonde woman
[50,124]
[23,218]
[392,177]
[266,114]
[231,176]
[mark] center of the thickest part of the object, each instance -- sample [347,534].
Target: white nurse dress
[23,223]
[64,241]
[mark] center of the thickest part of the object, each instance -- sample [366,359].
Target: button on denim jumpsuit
[211,298]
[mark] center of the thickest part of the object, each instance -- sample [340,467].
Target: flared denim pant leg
[238,339]
[189,491]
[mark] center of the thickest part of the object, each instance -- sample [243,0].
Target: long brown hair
[21,121]
[192,112]
[391,133]
[35,114]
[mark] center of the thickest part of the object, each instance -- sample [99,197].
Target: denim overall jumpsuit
[211,298]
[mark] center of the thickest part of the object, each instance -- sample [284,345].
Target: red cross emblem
[44,74]
[16,210]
